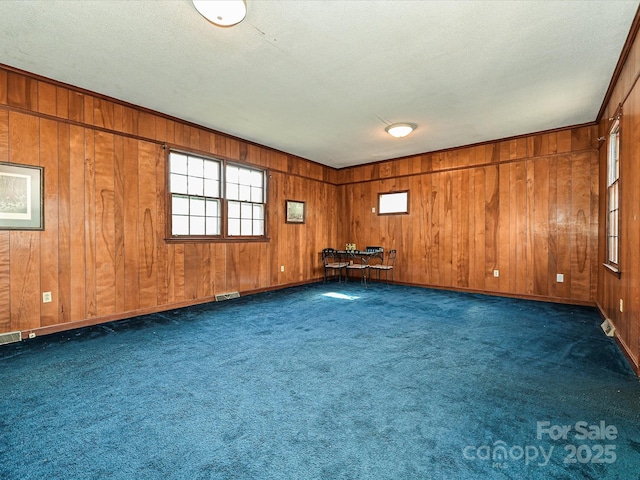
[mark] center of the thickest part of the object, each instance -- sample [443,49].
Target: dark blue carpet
[387,382]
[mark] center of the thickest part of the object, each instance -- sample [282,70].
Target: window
[613,196]
[390,203]
[213,199]
[245,194]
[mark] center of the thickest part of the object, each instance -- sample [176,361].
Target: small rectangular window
[393,203]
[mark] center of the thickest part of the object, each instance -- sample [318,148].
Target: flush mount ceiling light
[399,130]
[223,13]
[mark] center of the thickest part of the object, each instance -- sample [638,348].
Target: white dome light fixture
[224,13]
[400,130]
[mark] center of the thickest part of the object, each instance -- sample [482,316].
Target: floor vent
[10,337]
[226,296]
[608,328]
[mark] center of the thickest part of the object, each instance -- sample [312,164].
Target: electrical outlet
[32,334]
[496,273]
[282,268]
[621,306]
[373,209]
[560,278]
[46,297]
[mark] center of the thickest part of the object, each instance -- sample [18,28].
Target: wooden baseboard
[136,313]
[626,351]
[537,298]
[88,322]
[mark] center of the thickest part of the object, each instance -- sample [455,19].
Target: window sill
[611,269]
[217,240]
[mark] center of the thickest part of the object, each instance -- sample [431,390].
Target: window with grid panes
[245,200]
[613,196]
[209,194]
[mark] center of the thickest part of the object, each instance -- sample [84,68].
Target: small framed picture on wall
[21,197]
[295,211]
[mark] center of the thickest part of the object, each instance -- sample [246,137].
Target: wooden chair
[386,267]
[358,263]
[332,262]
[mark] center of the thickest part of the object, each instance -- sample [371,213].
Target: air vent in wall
[226,296]
[608,328]
[10,337]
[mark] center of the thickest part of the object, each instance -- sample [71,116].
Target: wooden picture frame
[295,211]
[21,197]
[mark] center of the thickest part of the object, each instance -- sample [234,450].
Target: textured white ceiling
[321,79]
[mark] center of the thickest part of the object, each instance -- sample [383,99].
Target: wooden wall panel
[24,255]
[162,296]
[191,270]
[62,103]
[147,224]
[87,107]
[118,224]
[504,228]
[49,268]
[511,206]
[478,205]
[594,219]
[626,287]
[502,205]
[76,107]
[63,194]
[5,248]
[462,223]
[552,245]
[76,253]
[4,136]
[22,92]
[631,225]
[131,220]
[529,219]
[5,282]
[24,246]
[4,87]
[179,274]
[105,226]
[581,213]
[90,274]
[47,100]
[491,221]
[541,226]
[105,207]
[446,215]
[563,221]
[522,228]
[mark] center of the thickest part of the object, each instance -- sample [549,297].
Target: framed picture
[21,197]
[295,211]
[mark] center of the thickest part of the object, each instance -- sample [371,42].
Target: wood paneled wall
[626,287]
[527,207]
[102,253]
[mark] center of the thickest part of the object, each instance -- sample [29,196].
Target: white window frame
[245,189]
[613,198]
[212,199]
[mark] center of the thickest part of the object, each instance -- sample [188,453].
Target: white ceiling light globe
[400,130]
[224,13]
